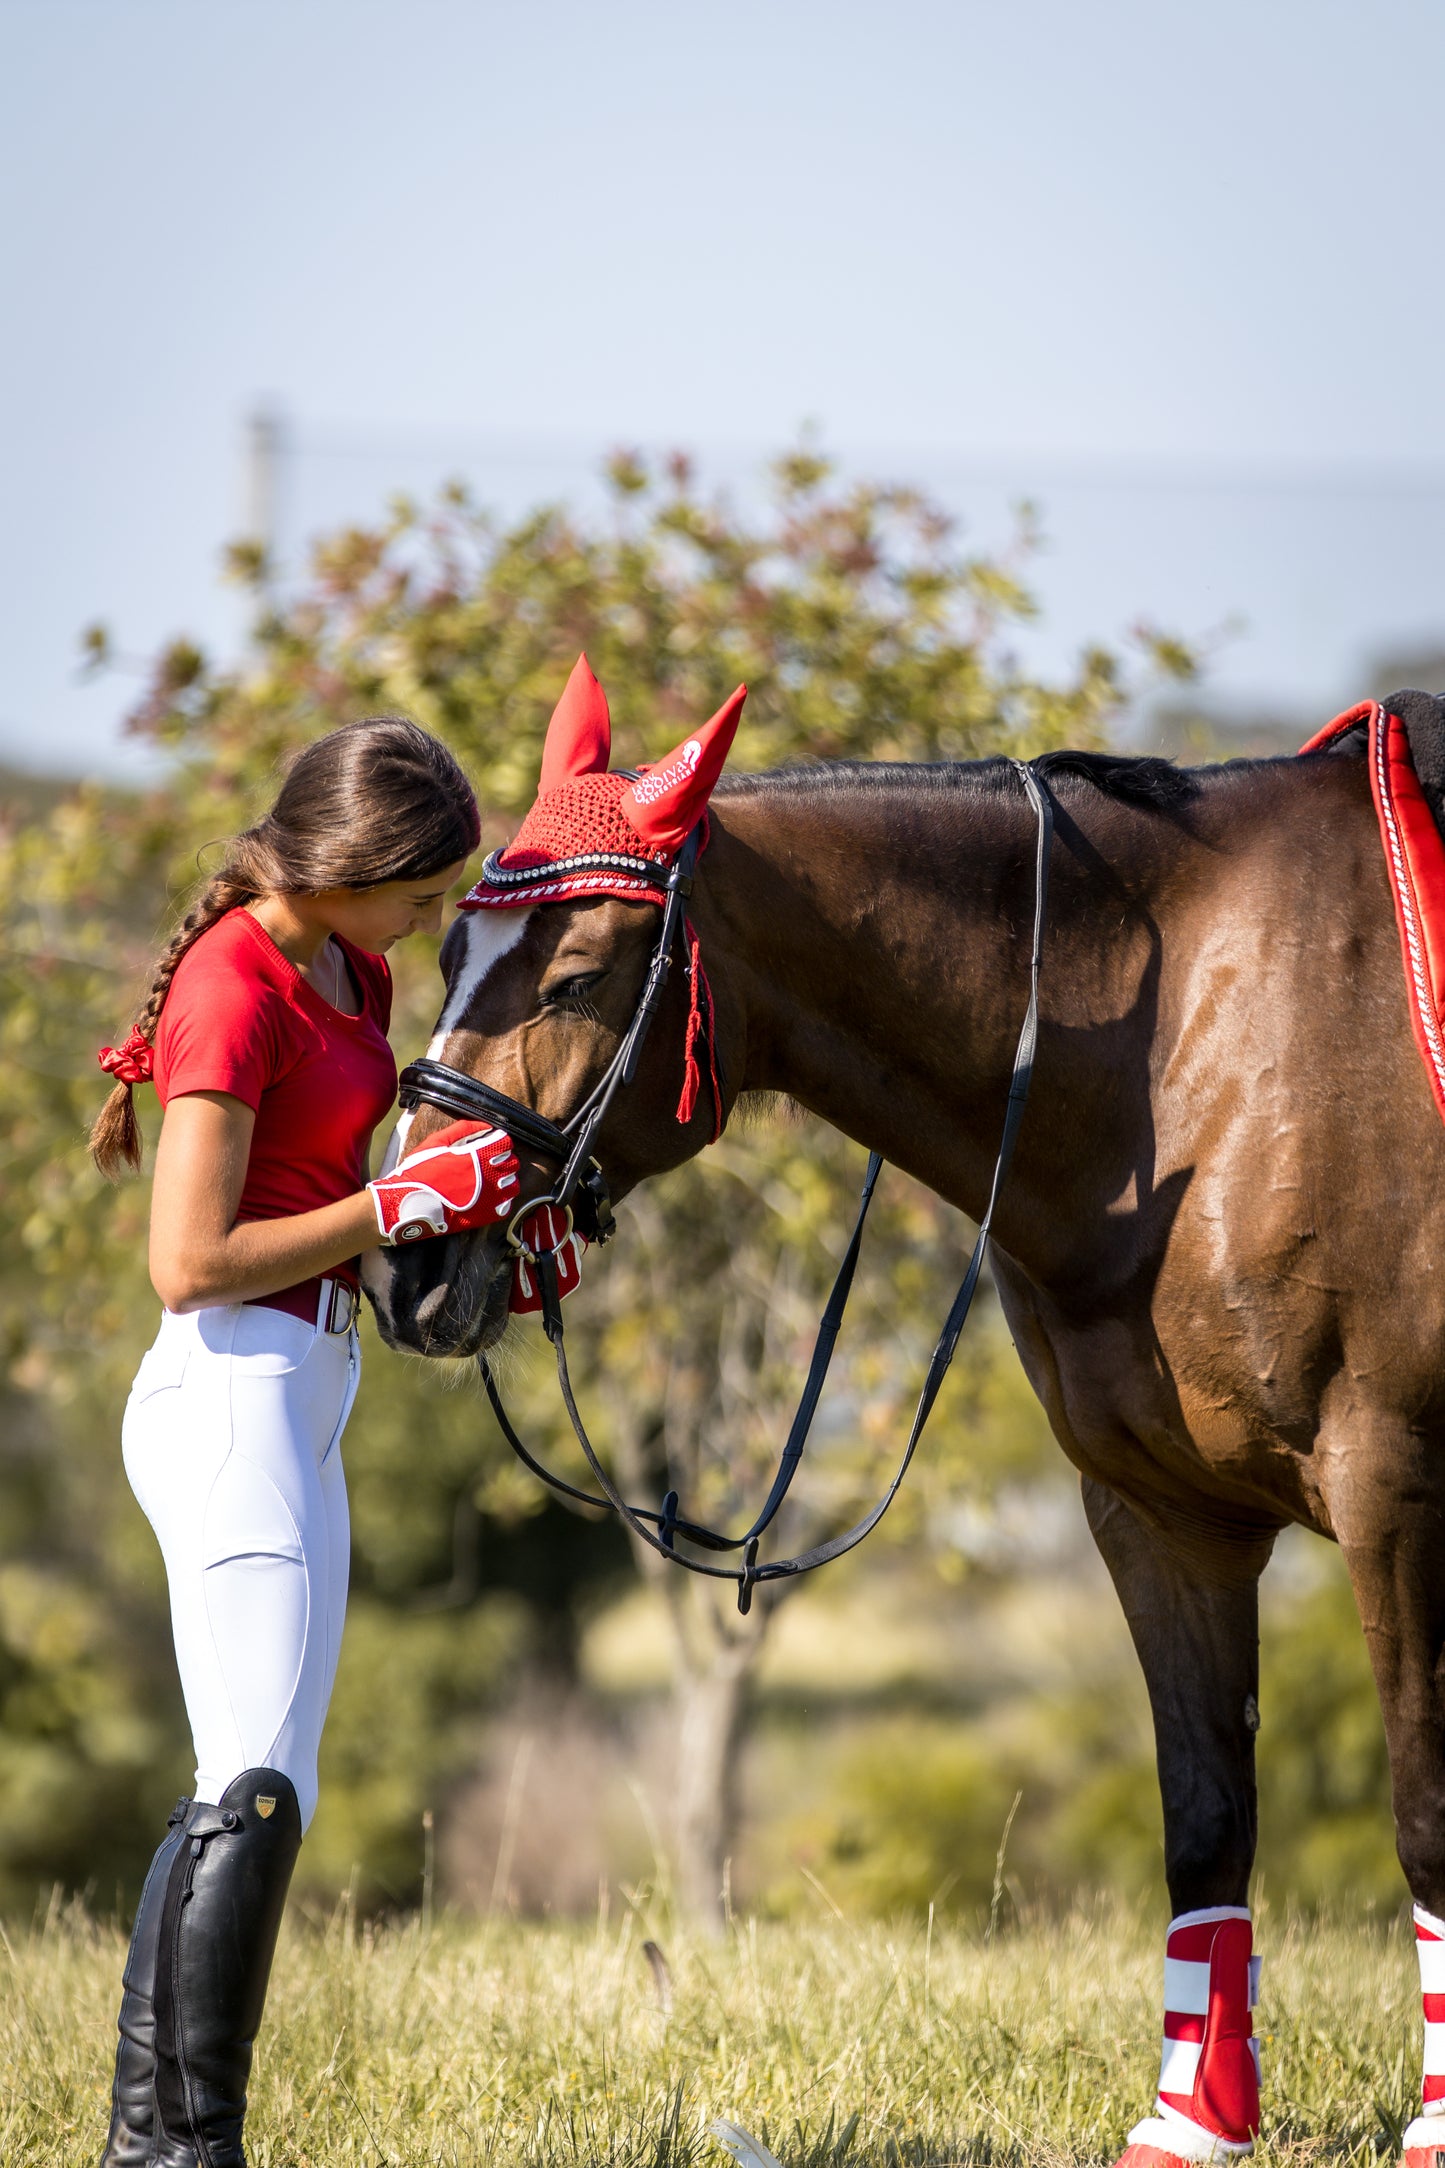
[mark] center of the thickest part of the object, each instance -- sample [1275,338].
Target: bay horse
[1215,1249]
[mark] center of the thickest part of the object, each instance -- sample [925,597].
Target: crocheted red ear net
[594,833]
[577,841]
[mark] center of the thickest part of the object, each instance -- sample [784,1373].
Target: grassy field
[466,2042]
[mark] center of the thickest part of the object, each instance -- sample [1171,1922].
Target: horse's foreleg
[1198,1641]
[1395,1551]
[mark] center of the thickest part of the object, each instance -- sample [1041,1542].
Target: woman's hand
[199,1253]
[463,1176]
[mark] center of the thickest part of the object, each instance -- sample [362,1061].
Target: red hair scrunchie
[132,1063]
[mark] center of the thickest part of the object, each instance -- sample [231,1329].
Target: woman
[264,1032]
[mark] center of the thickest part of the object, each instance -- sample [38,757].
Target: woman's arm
[199,1255]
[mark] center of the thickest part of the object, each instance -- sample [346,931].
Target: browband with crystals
[653,871]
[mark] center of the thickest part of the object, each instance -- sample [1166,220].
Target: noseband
[581,1192]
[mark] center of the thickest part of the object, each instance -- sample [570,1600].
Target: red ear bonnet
[579,736]
[666,802]
[594,833]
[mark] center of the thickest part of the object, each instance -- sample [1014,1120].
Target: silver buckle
[342,1304]
[517,1242]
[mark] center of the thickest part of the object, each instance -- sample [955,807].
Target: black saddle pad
[1423,715]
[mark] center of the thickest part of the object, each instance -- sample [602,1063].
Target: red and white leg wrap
[1208,2104]
[1425,2137]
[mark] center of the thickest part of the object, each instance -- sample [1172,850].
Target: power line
[1012,470]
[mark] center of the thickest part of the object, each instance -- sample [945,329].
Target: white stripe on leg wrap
[1186,1987]
[1186,1983]
[1179,2066]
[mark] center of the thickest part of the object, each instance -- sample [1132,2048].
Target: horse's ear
[667,800]
[579,736]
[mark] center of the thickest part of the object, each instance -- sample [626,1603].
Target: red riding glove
[463,1176]
[546,1229]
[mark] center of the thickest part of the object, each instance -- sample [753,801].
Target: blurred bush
[897,1811]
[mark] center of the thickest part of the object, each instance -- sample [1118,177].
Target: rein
[582,1186]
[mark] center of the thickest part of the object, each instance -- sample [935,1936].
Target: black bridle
[581,1190]
[581,1187]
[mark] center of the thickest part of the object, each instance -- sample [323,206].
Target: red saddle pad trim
[1415,864]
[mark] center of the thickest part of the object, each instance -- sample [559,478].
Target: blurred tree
[862,630]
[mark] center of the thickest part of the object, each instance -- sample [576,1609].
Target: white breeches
[232,1443]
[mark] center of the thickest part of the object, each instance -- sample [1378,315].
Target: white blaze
[488,937]
[490,934]
[396,1143]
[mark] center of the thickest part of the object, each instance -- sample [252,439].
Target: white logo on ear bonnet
[649,788]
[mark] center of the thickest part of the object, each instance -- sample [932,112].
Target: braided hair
[373,802]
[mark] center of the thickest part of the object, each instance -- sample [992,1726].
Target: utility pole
[265,448]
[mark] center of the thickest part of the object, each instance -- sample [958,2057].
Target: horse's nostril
[430,1303]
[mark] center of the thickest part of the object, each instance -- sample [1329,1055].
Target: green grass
[495,2042]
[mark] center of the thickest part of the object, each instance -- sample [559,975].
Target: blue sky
[1175,270]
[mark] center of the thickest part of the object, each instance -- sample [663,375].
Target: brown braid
[115,1139]
[374,802]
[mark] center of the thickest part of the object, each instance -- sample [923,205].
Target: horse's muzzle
[444,1297]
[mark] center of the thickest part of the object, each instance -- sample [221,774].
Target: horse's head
[545,969]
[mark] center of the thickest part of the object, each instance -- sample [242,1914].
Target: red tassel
[691,1073]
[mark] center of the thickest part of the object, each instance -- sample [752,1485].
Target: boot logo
[265,1807]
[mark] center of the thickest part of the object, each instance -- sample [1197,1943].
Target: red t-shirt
[240,1018]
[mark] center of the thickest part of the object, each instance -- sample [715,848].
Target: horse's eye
[572,993]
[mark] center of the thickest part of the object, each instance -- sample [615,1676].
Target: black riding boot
[131,2143]
[223,1906]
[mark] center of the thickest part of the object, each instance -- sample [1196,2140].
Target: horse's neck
[876,934]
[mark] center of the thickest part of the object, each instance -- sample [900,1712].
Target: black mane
[1132,778]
